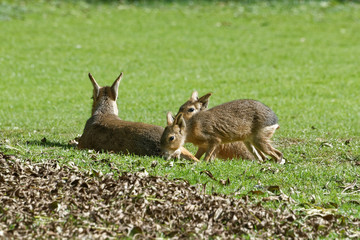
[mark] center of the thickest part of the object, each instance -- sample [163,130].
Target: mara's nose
[165,155]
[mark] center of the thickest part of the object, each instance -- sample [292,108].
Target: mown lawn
[302,60]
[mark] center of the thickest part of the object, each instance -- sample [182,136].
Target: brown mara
[104,130]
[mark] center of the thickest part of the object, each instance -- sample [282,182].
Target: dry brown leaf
[210,175]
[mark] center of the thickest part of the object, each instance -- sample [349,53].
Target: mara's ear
[194,96]
[179,120]
[204,100]
[169,118]
[95,85]
[115,86]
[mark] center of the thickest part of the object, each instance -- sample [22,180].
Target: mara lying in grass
[104,130]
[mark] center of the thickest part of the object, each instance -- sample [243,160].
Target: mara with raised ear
[232,150]
[104,130]
[244,120]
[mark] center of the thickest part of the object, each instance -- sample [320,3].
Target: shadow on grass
[46,143]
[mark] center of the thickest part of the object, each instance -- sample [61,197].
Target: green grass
[302,60]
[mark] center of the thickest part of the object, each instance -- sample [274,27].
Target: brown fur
[232,150]
[240,120]
[106,131]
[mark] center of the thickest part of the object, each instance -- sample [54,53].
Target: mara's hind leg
[258,155]
[260,152]
[265,146]
[278,153]
[263,143]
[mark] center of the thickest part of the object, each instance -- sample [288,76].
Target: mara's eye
[171,138]
[191,109]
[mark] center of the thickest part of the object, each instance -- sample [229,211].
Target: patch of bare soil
[45,200]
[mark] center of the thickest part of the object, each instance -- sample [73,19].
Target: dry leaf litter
[49,201]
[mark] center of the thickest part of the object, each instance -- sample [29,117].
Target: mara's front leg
[187,155]
[200,152]
[210,151]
